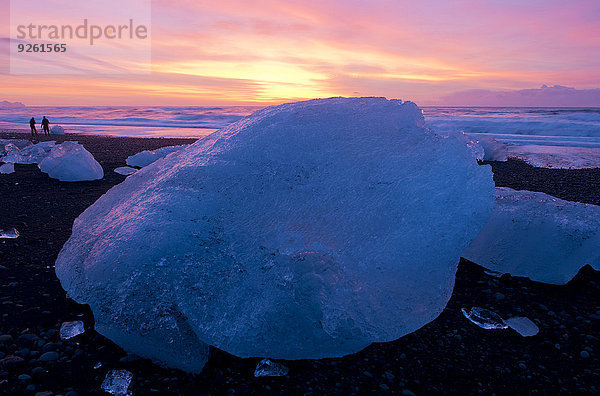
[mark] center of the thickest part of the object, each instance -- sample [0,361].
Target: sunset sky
[269,51]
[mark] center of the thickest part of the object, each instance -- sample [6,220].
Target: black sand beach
[448,356]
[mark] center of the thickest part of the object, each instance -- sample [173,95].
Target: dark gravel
[447,356]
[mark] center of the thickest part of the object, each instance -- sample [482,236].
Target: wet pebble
[28,337]
[5,338]
[24,352]
[49,356]
[50,346]
[11,361]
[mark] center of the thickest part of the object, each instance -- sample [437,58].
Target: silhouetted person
[46,126]
[32,125]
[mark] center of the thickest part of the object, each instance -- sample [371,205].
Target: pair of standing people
[45,126]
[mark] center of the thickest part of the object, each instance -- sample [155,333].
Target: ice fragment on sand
[9,234]
[70,161]
[484,318]
[29,154]
[57,130]
[10,147]
[12,144]
[523,326]
[6,169]
[117,382]
[492,149]
[71,329]
[125,170]
[539,236]
[269,368]
[306,230]
[147,157]
[495,274]
[97,365]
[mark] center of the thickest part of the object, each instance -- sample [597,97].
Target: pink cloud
[426,49]
[555,96]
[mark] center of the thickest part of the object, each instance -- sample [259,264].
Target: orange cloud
[268,51]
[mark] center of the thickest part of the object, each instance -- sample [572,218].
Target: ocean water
[551,137]
[138,121]
[543,137]
[578,127]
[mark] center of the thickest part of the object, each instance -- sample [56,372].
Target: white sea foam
[554,138]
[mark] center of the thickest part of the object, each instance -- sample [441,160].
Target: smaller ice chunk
[9,234]
[117,382]
[70,161]
[493,150]
[97,365]
[71,329]
[27,155]
[485,318]
[57,130]
[9,147]
[12,144]
[476,149]
[269,368]
[147,157]
[6,169]
[493,273]
[125,170]
[539,236]
[523,326]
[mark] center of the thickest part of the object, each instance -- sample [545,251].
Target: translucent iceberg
[146,157]
[125,170]
[484,318]
[117,382]
[70,161]
[539,236]
[523,326]
[9,234]
[29,154]
[6,169]
[10,147]
[493,150]
[71,329]
[269,368]
[57,130]
[12,144]
[305,230]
